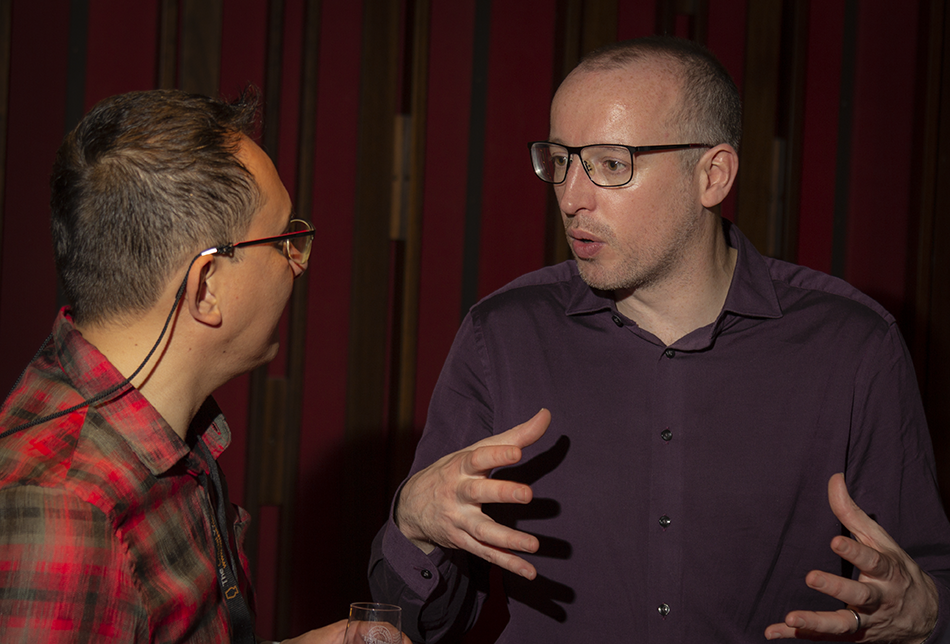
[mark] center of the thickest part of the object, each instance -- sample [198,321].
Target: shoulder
[78,455]
[798,287]
[791,278]
[555,285]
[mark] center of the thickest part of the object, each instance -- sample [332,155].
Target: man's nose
[577,191]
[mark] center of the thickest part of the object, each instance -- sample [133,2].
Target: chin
[266,355]
[601,279]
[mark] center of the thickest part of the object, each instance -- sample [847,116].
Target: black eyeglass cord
[108,392]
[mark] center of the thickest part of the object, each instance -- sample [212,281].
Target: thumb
[856,520]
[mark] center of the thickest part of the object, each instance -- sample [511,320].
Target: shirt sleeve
[891,469]
[440,593]
[64,576]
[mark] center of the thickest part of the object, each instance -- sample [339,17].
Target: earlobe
[201,293]
[722,163]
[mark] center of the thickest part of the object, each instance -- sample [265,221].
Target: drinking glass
[374,624]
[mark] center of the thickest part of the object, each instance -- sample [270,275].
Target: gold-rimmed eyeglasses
[295,243]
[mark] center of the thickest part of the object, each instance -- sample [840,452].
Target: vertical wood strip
[297,324]
[201,46]
[402,439]
[930,338]
[6,20]
[791,116]
[262,433]
[478,115]
[849,54]
[167,68]
[364,460]
[76,63]
[755,210]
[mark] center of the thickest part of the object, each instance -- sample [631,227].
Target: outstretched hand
[893,600]
[441,505]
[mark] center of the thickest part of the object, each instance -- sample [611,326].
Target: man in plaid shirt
[171,227]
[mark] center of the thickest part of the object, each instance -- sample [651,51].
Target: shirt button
[666,435]
[665,521]
[669,353]
[426,574]
[663,610]
[617,320]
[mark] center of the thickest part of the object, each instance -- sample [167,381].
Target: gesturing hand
[893,600]
[441,505]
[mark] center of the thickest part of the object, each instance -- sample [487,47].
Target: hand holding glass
[374,624]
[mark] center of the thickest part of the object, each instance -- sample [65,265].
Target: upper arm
[63,572]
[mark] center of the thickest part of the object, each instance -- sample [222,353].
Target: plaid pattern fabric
[104,532]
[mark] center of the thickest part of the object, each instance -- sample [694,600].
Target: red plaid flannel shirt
[104,535]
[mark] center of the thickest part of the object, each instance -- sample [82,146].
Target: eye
[559,160]
[612,166]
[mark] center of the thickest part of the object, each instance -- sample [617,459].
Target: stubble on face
[638,265]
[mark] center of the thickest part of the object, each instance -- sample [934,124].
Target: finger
[480,491]
[864,528]
[524,434]
[501,557]
[849,591]
[481,459]
[803,624]
[868,559]
[495,535]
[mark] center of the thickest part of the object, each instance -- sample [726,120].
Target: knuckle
[482,531]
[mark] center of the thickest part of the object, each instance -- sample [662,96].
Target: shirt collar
[751,293]
[152,439]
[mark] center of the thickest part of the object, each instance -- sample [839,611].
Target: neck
[691,296]
[168,382]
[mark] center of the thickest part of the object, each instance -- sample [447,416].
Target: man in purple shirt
[705,412]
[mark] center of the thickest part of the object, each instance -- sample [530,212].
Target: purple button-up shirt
[680,491]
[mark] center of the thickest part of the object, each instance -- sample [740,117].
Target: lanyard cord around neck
[242,624]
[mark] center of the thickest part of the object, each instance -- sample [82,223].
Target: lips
[584,244]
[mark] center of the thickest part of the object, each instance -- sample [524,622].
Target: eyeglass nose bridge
[576,152]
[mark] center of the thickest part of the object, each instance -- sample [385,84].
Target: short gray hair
[145,181]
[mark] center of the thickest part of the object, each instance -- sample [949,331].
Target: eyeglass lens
[606,165]
[298,248]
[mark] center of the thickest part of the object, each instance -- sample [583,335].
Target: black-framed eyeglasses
[608,165]
[295,243]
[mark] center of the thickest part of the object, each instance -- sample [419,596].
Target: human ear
[200,294]
[720,165]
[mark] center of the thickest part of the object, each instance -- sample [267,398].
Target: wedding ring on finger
[857,618]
